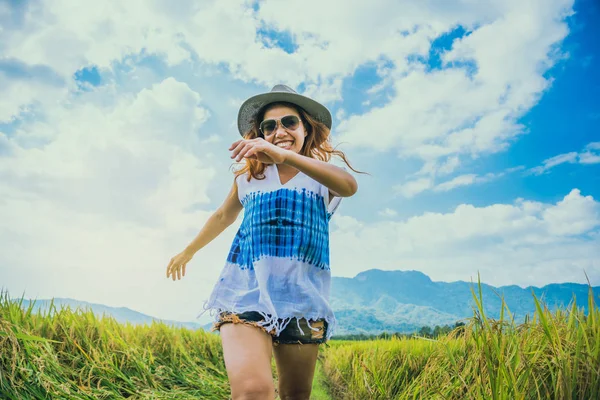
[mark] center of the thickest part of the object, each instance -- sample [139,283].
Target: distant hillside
[121,314]
[375,300]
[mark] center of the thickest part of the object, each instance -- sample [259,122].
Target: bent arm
[218,221]
[338,181]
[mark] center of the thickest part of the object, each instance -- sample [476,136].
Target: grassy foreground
[552,356]
[75,355]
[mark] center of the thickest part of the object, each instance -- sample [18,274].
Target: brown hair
[316,144]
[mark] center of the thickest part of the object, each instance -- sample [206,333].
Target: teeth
[284,144]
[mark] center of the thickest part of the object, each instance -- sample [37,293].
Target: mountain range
[375,301]
[120,314]
[403,301]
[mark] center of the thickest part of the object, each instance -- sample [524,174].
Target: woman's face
[289,139]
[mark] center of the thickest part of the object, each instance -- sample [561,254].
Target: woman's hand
[258,149]
[177,264]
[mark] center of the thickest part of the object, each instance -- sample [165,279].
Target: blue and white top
[278,264]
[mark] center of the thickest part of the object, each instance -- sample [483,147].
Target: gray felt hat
[280,93]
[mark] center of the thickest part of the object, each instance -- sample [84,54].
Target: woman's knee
[253,389]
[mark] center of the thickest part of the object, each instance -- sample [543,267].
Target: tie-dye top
[278,264]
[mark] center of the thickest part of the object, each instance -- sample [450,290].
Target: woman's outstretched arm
[225,215]
[338,181]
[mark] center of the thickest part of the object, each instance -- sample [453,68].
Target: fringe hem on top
[274,325]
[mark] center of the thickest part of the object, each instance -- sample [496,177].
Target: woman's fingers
[176,267]
[253,150]
[237,148]
[234,144]
[236,153]
[243,151]
[257,148]
[169,267]
[179,272]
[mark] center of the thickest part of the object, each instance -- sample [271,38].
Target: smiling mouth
[284,144]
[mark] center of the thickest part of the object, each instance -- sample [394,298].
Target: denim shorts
[290,335]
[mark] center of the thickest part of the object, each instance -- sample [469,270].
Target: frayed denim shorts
[292,334]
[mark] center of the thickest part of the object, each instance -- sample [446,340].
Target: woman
[273,293]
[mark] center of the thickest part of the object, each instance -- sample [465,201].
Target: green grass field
[75,355]
[553,356]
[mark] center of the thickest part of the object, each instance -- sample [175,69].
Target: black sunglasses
[289,122]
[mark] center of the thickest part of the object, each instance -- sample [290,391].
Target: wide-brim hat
[279,93]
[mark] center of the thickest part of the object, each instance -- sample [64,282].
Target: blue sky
[566,119]
[478,124]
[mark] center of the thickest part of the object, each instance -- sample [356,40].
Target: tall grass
[76,355]
[554,355]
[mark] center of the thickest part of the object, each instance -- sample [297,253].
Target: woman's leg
[296,369]
[247,351]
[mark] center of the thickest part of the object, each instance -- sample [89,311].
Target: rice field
[76,355]
[554,355]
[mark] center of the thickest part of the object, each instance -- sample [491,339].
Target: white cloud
[341,114]
[105,186]
[554,161]
[7,147]
[589,158]
[117,188]
[469,179]
[448,166]
[23,97]
[590,154]
[388,212]
[522,243]
[328,92]
[431,115]
[412,188]
[462,180]
[212,139]
[574,215]
[450,112]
